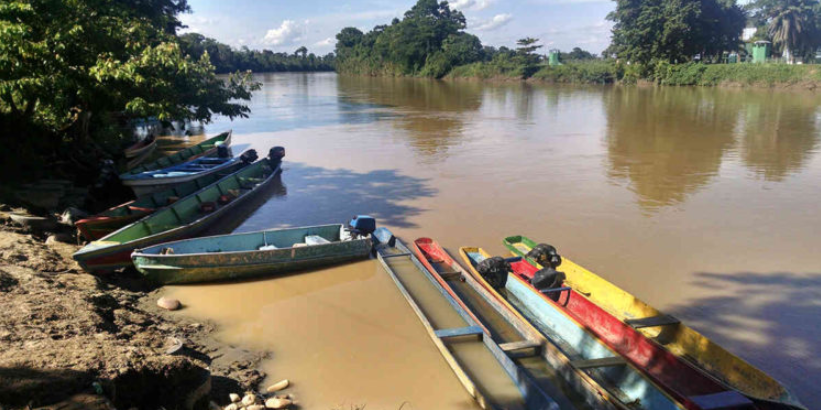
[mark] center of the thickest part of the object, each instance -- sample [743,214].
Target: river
[701,201]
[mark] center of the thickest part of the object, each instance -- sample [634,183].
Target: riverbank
[69,339]
[690,74]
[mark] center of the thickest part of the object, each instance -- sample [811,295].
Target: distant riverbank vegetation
[227,60]
[668,42]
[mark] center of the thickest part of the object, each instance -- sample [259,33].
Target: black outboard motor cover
[222,151]
[362,225]
[276,153]
[547,278]
[494,270]
[249,156]
[546,255]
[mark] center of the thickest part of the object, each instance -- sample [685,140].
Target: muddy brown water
[701,201]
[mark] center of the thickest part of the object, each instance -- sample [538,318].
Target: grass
[736,74]
[592,72]
[689,74]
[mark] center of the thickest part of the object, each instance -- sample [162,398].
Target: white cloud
[289,32]
[494,23]
[471,4]
[325,43]
[197,24]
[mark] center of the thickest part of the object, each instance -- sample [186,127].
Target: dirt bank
[69,339]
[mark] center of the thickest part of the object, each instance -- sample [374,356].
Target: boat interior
[180,156]
[263,240]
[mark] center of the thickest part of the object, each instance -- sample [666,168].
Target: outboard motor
[249,156]
[276,154]
[223,152]
[548,278]
[545,255]
[361,225]
[494,270]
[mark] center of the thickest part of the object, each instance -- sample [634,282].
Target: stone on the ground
[58,237]
[276,403]
[232,406]
[249,399]
[168,303]
[234,397]
[255,407]
[4,208]
[278,386]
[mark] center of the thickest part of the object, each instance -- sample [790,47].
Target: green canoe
[108,221]
[245,255]
[182,219]
[202,149]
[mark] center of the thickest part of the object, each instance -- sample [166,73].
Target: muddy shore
[69,339]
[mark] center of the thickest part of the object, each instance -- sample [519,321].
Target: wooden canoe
[205,148]
[108,221]
[588,353]
[677,338]
[536,358]
[141,147]
[247,255]
[151,181]
[483,368]
[182,219]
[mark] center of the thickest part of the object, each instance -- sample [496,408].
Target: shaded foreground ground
[72,340]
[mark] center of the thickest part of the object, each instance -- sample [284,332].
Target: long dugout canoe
[590,354]
[152,181]
[666,331]
[205,148]
[183,219]
[485,371]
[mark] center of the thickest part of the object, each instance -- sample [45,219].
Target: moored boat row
[184,218]
[531,331]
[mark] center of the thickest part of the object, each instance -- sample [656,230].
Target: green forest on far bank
[227,60]
[671,42]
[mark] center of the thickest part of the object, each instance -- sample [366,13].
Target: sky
[285,25]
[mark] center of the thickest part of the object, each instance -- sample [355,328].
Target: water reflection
[434,111]
[778,133]
[667,143]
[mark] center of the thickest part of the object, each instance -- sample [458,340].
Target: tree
[577,54]
[303,51]
[429,39]
[529,61]
[674,30]
[792,25]
[462,48]
[68,69]
[527,45]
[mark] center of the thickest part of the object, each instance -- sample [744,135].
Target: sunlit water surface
[701,201]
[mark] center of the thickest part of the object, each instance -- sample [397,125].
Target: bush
[592,72]
[743,74]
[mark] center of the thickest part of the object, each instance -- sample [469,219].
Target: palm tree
[792,26]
